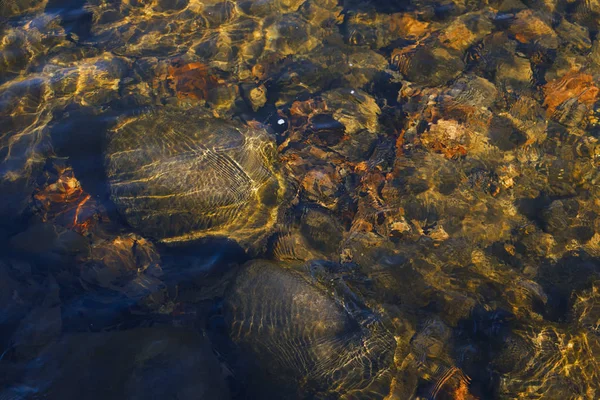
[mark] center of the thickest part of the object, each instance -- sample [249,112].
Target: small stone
[258,97]
[439,234]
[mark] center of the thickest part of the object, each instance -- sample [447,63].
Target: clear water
[281,199]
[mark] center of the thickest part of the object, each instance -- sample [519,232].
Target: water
[299,199]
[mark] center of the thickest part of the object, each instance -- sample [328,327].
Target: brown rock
[191,80]
[528,27]
[407,25]
[113,262]
[574,85]
[66,203]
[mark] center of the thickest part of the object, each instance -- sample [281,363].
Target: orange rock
[258,71]
[360,225]
[510,249]
[447,137]
[321,181]
[191,80]
[308,107]
[462,392]
[455,383]
[573,84]
[400,143]
[407,25]
[66,203]
[362,166]
[528,28]
[321,185]
[458,38]
[521,38]
[450,151]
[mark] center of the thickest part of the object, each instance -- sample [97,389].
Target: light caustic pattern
[177,178]
[447,150]
[272,312]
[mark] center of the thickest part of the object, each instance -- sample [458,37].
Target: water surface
[299,199]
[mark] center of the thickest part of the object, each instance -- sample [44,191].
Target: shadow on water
[564,279]
[479,341]
[81,137]
[204,258]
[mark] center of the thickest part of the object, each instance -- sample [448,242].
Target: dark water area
[299,199]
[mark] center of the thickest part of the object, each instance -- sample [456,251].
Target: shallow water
[299,199]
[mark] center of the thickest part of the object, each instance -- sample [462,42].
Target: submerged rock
[272,314]
[354,109]
[178,176]
[445,151]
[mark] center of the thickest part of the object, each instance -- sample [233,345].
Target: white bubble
[352,92]
[281,121]
[350,64]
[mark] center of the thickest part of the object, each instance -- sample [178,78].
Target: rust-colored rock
[465,31]
[573,85]
[308,107]
[408,25]
[321,185]
[191,80]
[448,138]
[66,203]
[529,27]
